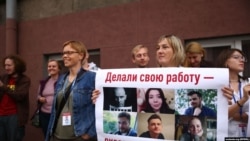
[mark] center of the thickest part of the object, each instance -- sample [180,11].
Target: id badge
[242,130]
[66,119]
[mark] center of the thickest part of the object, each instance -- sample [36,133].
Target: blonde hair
[178,49]
[193,47]
[136,49]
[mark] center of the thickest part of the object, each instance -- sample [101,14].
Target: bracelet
[238,104]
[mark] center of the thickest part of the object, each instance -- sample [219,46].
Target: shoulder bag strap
[64,100]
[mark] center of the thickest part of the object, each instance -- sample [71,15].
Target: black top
[147,135]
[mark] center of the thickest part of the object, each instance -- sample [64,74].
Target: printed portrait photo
[196,102]
[120,99]
[157,126]
[155,100]
[120,123]
[189,128]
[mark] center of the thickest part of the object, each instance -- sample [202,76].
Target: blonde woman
[195,55]
[169,51]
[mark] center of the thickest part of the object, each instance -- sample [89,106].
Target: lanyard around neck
[66,84]
[80,72]
[239,89]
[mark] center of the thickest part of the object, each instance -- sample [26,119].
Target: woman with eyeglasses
[73,114]
[237,92]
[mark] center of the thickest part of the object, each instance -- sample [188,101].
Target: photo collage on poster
[171,114]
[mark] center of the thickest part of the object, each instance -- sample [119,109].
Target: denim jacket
[83,108]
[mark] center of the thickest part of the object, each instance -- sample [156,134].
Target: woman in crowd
[195,131]
[169,51]
[14,99]
[156,102]
[237,92]
[46,93]
[195,55]
[73,114]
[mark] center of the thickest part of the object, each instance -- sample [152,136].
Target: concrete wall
[116,29]
[36,9]
[2,45]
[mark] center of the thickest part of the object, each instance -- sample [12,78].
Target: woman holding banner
[73,114]
[169,53]
[237,92]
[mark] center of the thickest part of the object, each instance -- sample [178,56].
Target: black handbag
[35,119]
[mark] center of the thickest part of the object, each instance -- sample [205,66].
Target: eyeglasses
[69,52]
[238,57]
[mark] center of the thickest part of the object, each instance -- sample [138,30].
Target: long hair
[19,64]
[194,47]
[178,49]
[164,107]
[224,56]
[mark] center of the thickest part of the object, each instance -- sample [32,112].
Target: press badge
[66,119]
[242,130]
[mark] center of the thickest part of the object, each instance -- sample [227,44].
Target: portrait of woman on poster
[195,131]
[155,102]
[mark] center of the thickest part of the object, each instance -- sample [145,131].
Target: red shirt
[7,104]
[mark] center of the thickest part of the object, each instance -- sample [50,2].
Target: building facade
[111,28]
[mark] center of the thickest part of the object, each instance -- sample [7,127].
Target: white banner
[150,93]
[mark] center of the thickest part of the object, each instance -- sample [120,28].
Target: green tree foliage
[110,121]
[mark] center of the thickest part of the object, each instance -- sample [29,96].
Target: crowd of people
[67,101]
[171,53]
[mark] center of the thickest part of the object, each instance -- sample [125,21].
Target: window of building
[214,46]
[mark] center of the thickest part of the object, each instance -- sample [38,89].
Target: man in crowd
[140,56]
